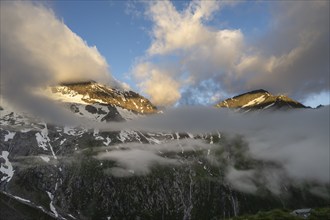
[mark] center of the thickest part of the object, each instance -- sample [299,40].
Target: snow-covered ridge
[64,94]
[92,92]
[259,99]
[98,102]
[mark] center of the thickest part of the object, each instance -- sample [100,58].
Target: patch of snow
[123,98]
[51,205]
[45,158]
[25,130]
[64,94]
[14,119]
[44,141]
[107,142]
[151,140]
[42,208]
[71,216]
[72,131]
[154,141]
[62,141]
[68,95]
[104,108]
[6,168]
[96,116]
[96,135]
[190,135]
[3,122]
[69,131]
[21,199]
[9,136]
[255,101]
[126,135]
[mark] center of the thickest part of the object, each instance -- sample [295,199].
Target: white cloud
[242,180]
[134,161]
[174,30]
[158,84]
[184,34]
[37,49]
[35,43]
[139,159]
[291,58]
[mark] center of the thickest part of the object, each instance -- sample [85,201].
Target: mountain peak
[259,99]
[90,92]
[78,83]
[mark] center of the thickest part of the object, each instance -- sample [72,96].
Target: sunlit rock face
[91,92]
[260,99]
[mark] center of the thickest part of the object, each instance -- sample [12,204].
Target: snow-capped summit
[91,92]
[259,99]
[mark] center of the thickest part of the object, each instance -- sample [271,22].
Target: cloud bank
[38,49]
[292,145]
[291,58]
[33,39]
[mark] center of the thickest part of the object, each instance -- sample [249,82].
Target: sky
[184,52]
[120,29]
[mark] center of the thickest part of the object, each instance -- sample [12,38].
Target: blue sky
[119,36]
[123,33]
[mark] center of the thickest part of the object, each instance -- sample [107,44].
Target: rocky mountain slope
[63,172]
[91,92]
[259,100]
